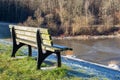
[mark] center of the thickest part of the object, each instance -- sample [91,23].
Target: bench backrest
[28,35]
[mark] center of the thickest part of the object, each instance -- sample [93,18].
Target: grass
[25,68]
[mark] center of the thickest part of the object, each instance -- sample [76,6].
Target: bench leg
[15,45]
[15,48]
[29,51]
[39,62]
[41,57]
[14,51]
[58,59]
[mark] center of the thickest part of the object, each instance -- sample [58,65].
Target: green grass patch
[25,68]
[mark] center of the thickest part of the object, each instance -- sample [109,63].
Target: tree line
[69,17]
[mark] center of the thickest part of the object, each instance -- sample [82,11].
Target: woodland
[64,17]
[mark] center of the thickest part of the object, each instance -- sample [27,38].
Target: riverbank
[89,37]
[25,68]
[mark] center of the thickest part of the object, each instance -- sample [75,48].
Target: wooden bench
[39,38]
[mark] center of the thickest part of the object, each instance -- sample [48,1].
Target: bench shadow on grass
[49,63]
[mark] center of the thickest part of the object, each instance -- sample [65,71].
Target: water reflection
[99,51]
[4,30]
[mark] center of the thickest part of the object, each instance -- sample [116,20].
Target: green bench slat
[25,33]
[30,29]
[24,28]
[34,44]
[46,36]
[24,37]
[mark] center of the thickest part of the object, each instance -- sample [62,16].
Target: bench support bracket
[42,56]
[17,46]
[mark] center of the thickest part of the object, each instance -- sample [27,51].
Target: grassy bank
[25,69]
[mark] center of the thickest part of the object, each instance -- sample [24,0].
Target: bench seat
[56,48]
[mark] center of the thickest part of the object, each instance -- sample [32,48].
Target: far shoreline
[87,37]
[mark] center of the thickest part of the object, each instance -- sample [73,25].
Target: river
[4,30]
[104,51]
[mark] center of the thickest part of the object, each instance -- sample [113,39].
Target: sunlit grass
[25,68]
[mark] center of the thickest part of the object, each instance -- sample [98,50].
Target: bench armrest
[62,47]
